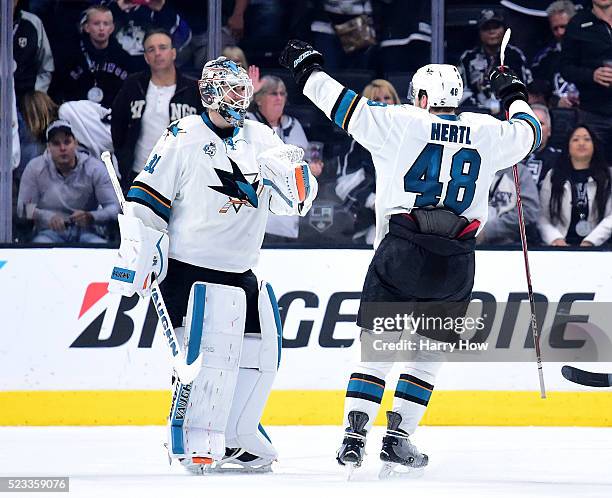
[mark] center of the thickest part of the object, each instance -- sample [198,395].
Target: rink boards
[74,355]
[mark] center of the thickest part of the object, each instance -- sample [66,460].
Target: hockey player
[198,214]
[433,172]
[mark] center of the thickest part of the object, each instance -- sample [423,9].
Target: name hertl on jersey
[208,192]
[425,160]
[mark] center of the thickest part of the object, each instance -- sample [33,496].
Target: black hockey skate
[401,457]
[353,445]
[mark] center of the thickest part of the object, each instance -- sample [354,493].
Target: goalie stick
[186,372]
[521,220]
[585,378]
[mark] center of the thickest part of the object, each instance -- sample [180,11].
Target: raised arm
[522,133]
[370,123]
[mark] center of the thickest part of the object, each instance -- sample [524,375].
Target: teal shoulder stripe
[537,129]
[142,197]
[343,108]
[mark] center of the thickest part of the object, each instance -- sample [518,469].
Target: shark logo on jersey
[237,188]
[210,149]
[174,130]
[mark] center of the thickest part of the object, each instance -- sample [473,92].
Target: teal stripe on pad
[306,179]
[197,323]
[264,433]
[277,320]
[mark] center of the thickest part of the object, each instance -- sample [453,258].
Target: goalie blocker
[143,250]
[219,413]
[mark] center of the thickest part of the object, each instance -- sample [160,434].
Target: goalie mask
[441,82]
[225,87]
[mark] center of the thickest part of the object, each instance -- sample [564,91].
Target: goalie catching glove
[293,186]
[143,251]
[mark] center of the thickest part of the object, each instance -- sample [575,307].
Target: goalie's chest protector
[220,212]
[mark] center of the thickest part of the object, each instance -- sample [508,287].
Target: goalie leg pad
[258,365]
[214,328]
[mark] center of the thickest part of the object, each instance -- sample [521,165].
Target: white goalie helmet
[225,87]
[441,82]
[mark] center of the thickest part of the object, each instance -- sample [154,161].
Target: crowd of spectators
[113,74]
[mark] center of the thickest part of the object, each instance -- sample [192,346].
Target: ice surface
[115,462]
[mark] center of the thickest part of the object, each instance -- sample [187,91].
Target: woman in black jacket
[575,197]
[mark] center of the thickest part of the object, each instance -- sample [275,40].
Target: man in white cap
[62,189]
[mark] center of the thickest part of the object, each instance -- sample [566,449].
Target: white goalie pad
[258,365]
[292,184]
[143,250]
[200,410]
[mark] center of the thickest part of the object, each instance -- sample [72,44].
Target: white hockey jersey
[427,160]
[208,192]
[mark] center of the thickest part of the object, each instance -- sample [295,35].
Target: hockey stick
[186,372]
[521,220]
[585,378]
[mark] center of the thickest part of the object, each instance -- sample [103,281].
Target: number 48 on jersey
[423,178]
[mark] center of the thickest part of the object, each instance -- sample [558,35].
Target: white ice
[116,462]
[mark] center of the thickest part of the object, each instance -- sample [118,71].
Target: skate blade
[350,469]
[222,469]
[198,465]
[197,470]
[397,471]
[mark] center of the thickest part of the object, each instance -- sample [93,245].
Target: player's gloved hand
[143,250]
[293,187]
[507,86]
[301,59]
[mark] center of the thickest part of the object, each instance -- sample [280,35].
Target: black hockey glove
[507,86]
[301,59]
